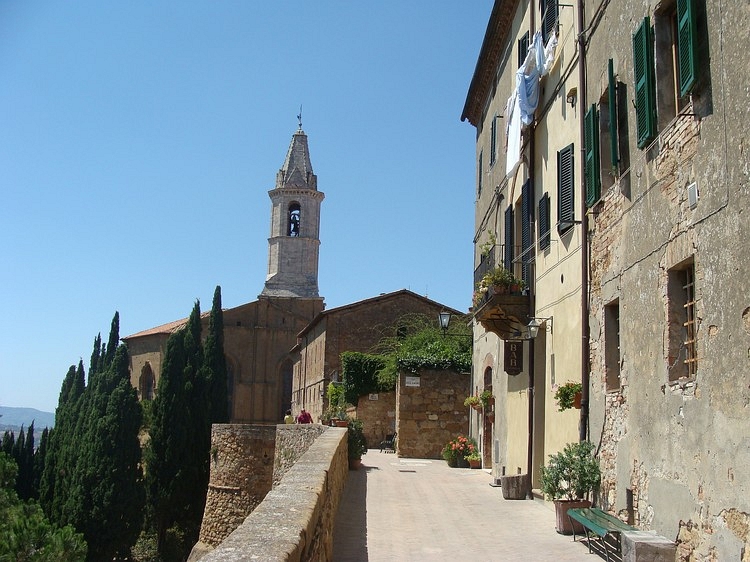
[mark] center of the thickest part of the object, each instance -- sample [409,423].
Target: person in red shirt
[304,417]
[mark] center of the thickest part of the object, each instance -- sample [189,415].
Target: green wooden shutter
[508,258]
[592,164]
[645,90]
[686,45]
[527,216]
[544,222]
[565,189]
[614,130]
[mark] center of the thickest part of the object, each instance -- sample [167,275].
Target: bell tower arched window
[294,219]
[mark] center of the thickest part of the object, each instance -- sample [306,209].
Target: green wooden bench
[601,524]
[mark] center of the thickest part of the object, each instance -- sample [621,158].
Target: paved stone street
[414,509]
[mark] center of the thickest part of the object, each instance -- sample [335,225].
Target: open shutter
[592,165]
[549,19]
[493,141]
[614,130]
[565,192]
[544,222]
[523,49]
[527,212]
[508,258]
[645,91]
[686,44]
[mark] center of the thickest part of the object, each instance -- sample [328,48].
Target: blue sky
[138,141]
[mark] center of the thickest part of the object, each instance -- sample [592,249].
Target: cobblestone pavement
[414,509]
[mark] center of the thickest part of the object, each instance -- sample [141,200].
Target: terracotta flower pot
[475,464]
[563,524]
[577,401]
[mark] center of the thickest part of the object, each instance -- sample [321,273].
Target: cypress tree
[216,363]
[39,459]
[9,440]
[167,442]
[109,491]
[178,455]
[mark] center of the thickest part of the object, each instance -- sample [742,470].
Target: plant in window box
[568,396]
[500,281]
[569,478]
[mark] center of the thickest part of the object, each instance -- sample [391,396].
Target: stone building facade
[359,326]
[259,336]
[669,306]
[522,100]
[652,96]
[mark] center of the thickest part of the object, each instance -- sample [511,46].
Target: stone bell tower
[293,247]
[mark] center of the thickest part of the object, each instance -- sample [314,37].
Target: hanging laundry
[512,134]
[538,62]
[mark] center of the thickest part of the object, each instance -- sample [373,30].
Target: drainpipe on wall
[583,428]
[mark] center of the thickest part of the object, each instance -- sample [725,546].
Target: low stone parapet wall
[295,520]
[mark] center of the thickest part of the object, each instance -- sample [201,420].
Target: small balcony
[504,314]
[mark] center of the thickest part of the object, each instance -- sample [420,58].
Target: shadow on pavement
[350,527]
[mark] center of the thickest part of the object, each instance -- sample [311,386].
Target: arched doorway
[487,423]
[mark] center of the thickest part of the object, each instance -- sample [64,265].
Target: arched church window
[146,382]
[294,219]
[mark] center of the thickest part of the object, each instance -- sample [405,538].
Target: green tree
[110,493]
[25,533]
[177,458]
[216,362]
[165,456]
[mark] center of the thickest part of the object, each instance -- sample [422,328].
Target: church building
[259,336]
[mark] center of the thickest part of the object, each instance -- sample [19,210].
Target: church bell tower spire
[293,247]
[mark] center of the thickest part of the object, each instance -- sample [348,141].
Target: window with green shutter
[508,257]
[565,189]
[686,44]
[591,149]
[527,218]
[550,15]
[523,49]
[544,222]
[612,108]
[645,92]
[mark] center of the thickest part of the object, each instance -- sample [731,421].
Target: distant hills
[14,418]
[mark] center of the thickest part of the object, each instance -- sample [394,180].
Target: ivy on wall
[417,343]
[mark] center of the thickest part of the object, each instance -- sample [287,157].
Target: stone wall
[295,520]
[378,416]
[431,414]
[292,441]
[246,462]
[242,464]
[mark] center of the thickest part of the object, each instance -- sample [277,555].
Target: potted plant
[357,443]
[569,478]
[568,396]
[456,451]
[500,281]
[486,399]
[475,459]
[474,401]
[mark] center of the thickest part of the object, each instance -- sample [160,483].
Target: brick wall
[431,414]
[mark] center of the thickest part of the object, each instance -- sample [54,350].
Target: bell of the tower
[293,247]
